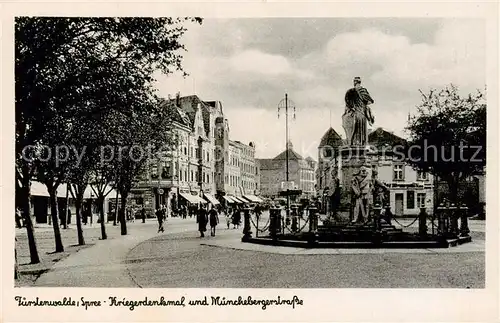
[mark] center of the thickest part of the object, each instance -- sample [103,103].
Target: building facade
[203,165]
[301,172]
[409,189]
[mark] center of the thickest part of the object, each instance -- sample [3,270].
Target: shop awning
[38,189]
[253,198]
[199,199]
[211,199]
[228,199]
[190,198]
[238,199]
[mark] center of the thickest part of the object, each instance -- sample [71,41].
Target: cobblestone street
[180,261]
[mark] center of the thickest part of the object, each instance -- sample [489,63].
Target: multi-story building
[301,172]
[185,172]
[202,165]
[409,189]
[235,168]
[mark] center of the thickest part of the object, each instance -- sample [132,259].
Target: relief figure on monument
[357,114]
[361,188]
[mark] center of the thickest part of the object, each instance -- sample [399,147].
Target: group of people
[207,215]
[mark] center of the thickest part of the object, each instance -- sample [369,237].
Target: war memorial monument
[369,222]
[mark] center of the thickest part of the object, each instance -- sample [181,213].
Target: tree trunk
[55,222]
[123,220]
[16,265]
[116,208]
[79,230]
[100,203]
[65,216]
[25,207]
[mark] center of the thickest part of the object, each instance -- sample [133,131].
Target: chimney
[178,98]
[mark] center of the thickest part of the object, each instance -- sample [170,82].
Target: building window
[410,200]
[421,200]
[154,171]
[422,176]
[398,174]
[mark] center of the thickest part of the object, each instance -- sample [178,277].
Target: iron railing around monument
[277,226]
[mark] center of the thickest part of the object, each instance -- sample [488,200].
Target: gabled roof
[331,139]
[309,158]
[189,104]
[176,113]
[380,137]
[292,155]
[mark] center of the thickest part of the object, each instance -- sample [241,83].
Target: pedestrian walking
[228,219]
[202,220]
[69,216]
[160,217]
[236,218]
[143,214]
[214,220]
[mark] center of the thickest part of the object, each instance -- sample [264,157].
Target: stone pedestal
[352,158]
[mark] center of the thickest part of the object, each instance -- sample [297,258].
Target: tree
[141,137]
[448,136]
[76,68]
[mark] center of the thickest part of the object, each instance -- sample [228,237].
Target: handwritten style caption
[131,304]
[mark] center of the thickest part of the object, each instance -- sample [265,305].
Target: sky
[249,65]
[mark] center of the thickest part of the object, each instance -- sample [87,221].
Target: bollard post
[279,221]
[453,229]
[441,231]
[422,223]
[388,214]
[247,230]
[274,223]
[294,220]
[464,221]
[313,225]
[377,210]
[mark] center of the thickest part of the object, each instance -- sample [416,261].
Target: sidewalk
[82,265]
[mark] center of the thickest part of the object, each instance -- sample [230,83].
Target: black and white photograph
[199,152]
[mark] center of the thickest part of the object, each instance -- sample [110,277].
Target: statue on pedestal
[379,190]
[361,188]
[357,114]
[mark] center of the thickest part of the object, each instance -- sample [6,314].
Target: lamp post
[287,105]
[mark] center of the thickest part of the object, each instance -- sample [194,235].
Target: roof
[309,158]
[189,104]
[265,163]
[331,139]
[380,137]
[292,155]
[177,114]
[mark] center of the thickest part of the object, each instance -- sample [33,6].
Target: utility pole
[287,105]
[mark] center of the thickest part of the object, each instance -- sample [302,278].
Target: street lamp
[287,105]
